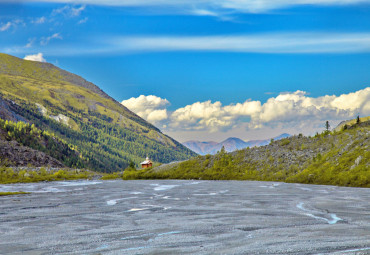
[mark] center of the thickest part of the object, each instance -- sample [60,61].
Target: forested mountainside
[23,144]
[336,158]
[104,134]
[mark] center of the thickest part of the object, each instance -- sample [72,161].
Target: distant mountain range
[230,144]
[328,158]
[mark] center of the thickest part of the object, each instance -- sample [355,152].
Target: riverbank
[38,174]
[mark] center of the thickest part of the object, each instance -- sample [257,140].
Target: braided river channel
[184,217]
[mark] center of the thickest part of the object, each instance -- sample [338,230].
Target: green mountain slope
[348,123]
[336,158]
[23,144]
[106,135]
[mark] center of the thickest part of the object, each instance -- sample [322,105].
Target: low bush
[8,175]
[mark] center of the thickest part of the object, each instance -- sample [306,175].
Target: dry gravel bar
[184,217]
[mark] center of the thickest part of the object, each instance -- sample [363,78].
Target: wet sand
[184,217]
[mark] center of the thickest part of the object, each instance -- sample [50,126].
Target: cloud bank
[246,6]
[293,43]
[36,57]
[293,109]
[265,43]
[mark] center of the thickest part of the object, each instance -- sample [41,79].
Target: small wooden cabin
[147,163]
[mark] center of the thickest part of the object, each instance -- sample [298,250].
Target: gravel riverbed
[184,217]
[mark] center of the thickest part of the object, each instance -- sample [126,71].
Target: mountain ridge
[14,66]
[105,133]
[230,144]
[328,158]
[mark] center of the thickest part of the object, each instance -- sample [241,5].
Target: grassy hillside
[349,123]
[336,158]
[106,134]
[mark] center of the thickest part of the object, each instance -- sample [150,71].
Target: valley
[185,127]
[52,118]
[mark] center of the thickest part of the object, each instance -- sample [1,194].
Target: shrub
[284,142]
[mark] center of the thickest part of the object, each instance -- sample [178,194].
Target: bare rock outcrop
[18,155]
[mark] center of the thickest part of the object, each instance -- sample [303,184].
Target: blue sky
[304,59]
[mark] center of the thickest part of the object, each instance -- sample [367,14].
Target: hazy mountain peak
[282,136]
[230,144]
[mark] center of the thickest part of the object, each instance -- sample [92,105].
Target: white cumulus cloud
[293,109]
[36,57]
[151,108]
[297,106]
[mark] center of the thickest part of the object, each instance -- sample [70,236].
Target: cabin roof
[146,162]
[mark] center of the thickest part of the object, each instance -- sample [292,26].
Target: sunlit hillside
[104,133]
[336,158]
